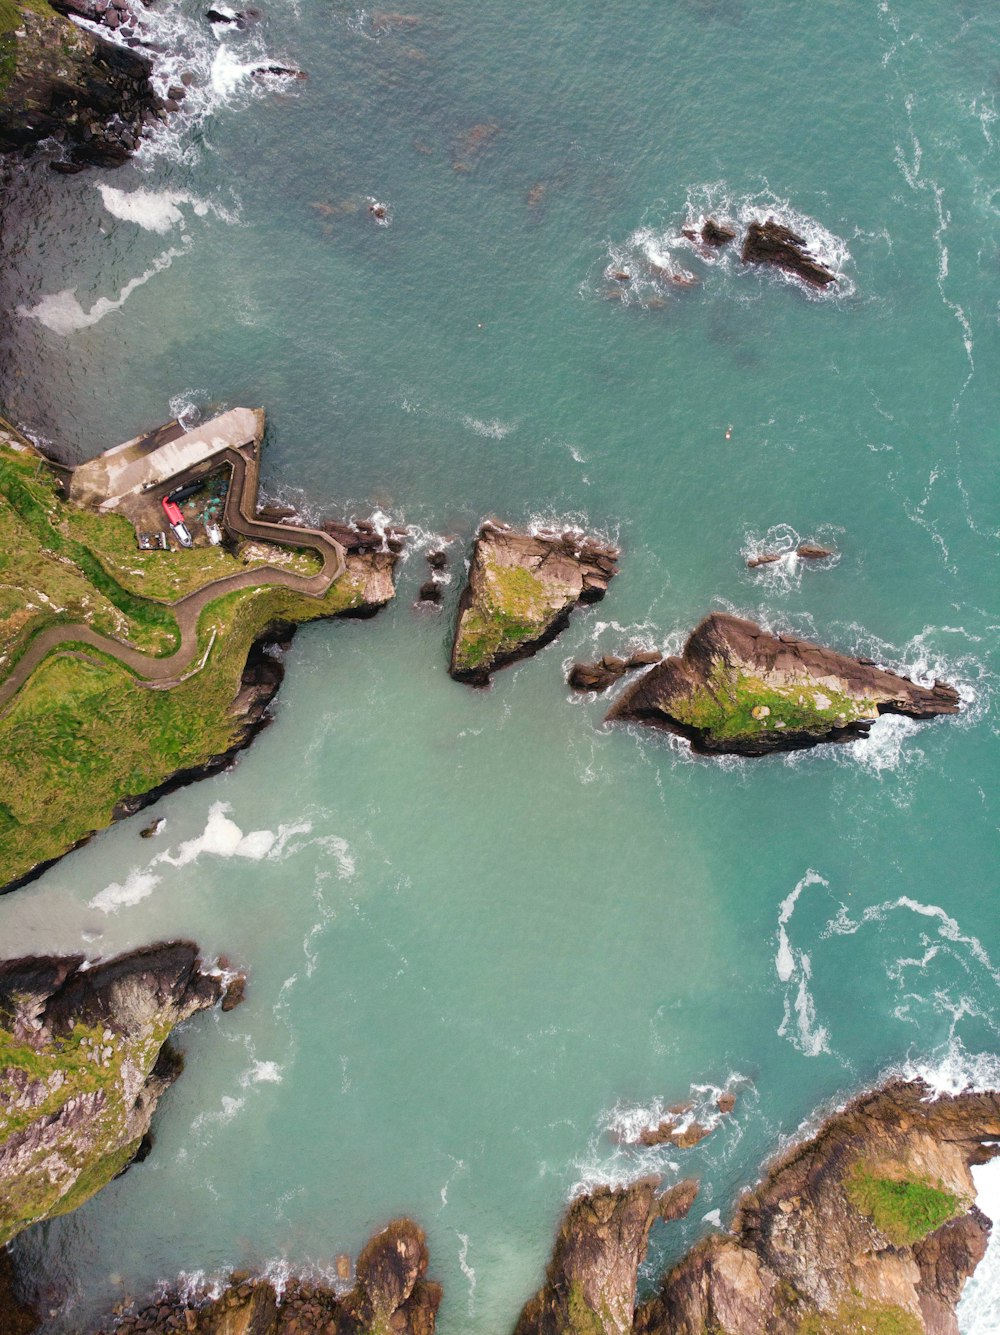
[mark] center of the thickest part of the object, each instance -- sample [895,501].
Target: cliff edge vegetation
[85,736]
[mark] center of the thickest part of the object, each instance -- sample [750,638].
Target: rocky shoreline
[866,1225]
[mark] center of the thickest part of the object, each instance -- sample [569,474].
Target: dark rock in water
[235,993]
[177,92]
[437,560]
[278,72]
[738,689]
[590,1284]
[726,1101]
[717,234]
[521,590]
[430,591]
[153,828]
[620,275]
[220,15]
[16,1316]
[807,551]
[599,676]
[772,243]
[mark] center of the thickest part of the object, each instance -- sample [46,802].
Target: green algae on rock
[739,689]
[83,1061]
[521,590]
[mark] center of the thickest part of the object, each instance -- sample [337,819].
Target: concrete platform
[129,470]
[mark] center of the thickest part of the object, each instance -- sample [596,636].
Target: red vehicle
[176,521]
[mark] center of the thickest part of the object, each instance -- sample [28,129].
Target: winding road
[159,673]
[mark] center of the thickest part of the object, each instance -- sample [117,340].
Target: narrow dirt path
[238,517]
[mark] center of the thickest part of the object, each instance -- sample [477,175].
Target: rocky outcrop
[870,1225]
[739,689]
[83,1060]
[717,234]
[806,551]
[390,1297]
[60,81]
[771,242]
[590,1284]
[521,590]
[608,669]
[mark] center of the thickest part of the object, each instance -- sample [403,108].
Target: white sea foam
[156,210]
[223,838]
[63,314]
[946,926]
[467,1270]
[978,1311]
[785,574]
[138,885]
[262,1072]
[491,430]
[794,969]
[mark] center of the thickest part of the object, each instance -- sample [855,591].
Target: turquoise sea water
[481,928]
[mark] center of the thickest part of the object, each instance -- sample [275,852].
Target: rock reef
[739,689]
[83,1060]
[390,1295]
[771,242]
[867,1228]
[520,592]
[609,668]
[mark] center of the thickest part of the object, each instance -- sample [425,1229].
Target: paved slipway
[238,517]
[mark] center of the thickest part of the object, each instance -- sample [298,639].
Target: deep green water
[482,924]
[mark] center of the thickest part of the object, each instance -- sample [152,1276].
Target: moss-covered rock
[737,688]
[521,590]
[82,1065]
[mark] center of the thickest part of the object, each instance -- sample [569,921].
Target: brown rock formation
[717,234]
[521,590]
[802,1254]
[390,1295]
[772,243]
[608,669]
[739,689]
[806,551]
[590,1284]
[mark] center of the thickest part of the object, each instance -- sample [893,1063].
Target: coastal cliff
[83,1061]
[84,739]
[866,1228]
[520,592]
[738,689]
[60,81]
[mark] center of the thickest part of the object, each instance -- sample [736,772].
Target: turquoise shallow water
[480,927]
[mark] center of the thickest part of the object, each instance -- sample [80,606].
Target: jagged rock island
[740,690]
[868,1228]
[521,590]
[83,1060]
[771,242]
[132,631]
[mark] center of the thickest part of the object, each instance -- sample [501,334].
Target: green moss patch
[737,704]
[863,1319]
[512,606]
[904,1209]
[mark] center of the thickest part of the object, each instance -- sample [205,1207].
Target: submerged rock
[84,1061]
[521,590]
[590,1284]
[739,689]
[772,243]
